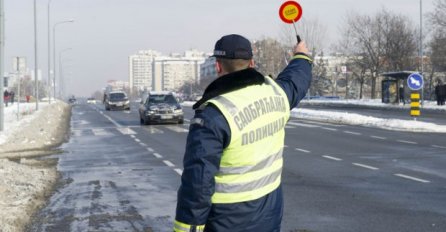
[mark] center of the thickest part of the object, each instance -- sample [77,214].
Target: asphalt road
[120,176]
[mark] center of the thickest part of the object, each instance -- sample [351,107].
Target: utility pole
[35,58]
[2,61]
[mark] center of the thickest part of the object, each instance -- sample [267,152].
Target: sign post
[415,82]
[290,12]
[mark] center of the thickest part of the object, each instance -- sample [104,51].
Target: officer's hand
[301,48]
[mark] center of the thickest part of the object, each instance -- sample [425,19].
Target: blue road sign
[415,81]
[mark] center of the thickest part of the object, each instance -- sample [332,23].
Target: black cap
[233,47]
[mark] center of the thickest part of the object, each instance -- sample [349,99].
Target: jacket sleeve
[295,79]
[208,136]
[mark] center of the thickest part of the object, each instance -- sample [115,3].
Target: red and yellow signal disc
[290,12]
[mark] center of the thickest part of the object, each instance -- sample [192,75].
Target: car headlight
[127,102]
[149,112]
[178,111]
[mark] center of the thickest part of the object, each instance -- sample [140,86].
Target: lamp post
[2,57]
[49,54]
[54,50]
[60,71]
[35,57]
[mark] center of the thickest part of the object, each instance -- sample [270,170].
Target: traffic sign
[290,12]
[415,81]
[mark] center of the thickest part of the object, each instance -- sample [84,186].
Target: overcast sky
[106,32]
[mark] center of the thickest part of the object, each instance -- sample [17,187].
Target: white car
[91,100]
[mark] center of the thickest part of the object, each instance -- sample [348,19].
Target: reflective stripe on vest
[183,227]
[251,165]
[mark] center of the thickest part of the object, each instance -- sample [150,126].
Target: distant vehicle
[117,100]
[91,100]
[72,100]
[161,107]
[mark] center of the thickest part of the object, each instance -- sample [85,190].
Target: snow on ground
[364,120]
[26,182]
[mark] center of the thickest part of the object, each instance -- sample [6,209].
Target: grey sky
[106,32]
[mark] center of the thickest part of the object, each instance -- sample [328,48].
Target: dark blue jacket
[209,134]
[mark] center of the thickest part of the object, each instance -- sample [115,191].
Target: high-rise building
[141,70]
[154,72]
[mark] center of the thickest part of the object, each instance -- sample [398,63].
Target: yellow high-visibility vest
[251,165]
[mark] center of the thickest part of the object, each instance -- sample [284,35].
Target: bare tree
[384,41]
[438,17]
[270,56]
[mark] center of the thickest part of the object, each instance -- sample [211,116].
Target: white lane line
[331,157]
[143,144]
[365,166]
[168,163]
[436,146]
[186,120]
[302,150]
[378,137]
[412,178]
[302,125]
[150,149]
[289,127]
[132,136]
[126,131]
[179,171]
[330,129]
[113,121]
[137,140]
[352,132]
[177,129]
[285,146]
[157,155]
[101,132]
[405,141]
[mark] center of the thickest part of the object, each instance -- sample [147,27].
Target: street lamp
[60,71]
[35,57]
[49,55]
[54,50]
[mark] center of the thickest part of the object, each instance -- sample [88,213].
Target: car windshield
[156,99]
[117,96]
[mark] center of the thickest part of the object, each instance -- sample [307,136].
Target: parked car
[72,100]
[161,107]
[117,100]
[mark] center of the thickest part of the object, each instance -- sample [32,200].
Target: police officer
[233,160]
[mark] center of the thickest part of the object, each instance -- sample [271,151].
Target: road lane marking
[405,141]
[168,163]
[289,127]
[186,120]
[302,125]
[302,150]
[436,146]
[100,132]
[143,144]
[177,129]
[412,178]
[132,136]
[352,132]
[126,131]
[137,140]
[179,171]
[332,157]
[378,137]
[330,129]
[150,149]
[365,166]
[157,155]
[153,130]
[113,121]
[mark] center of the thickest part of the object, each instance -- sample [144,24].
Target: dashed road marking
[179,171]
[150,149]
[378,137]
[332,157]
[132,136]
[302,125]
[352,132]
[405,141]
[177,129]
[436,146]
[137,140]
[143,144]
[168,163]
[157,155]
[126,131]
[100,132]
[302,150]
[330,129]
[365,166]
[412,178]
